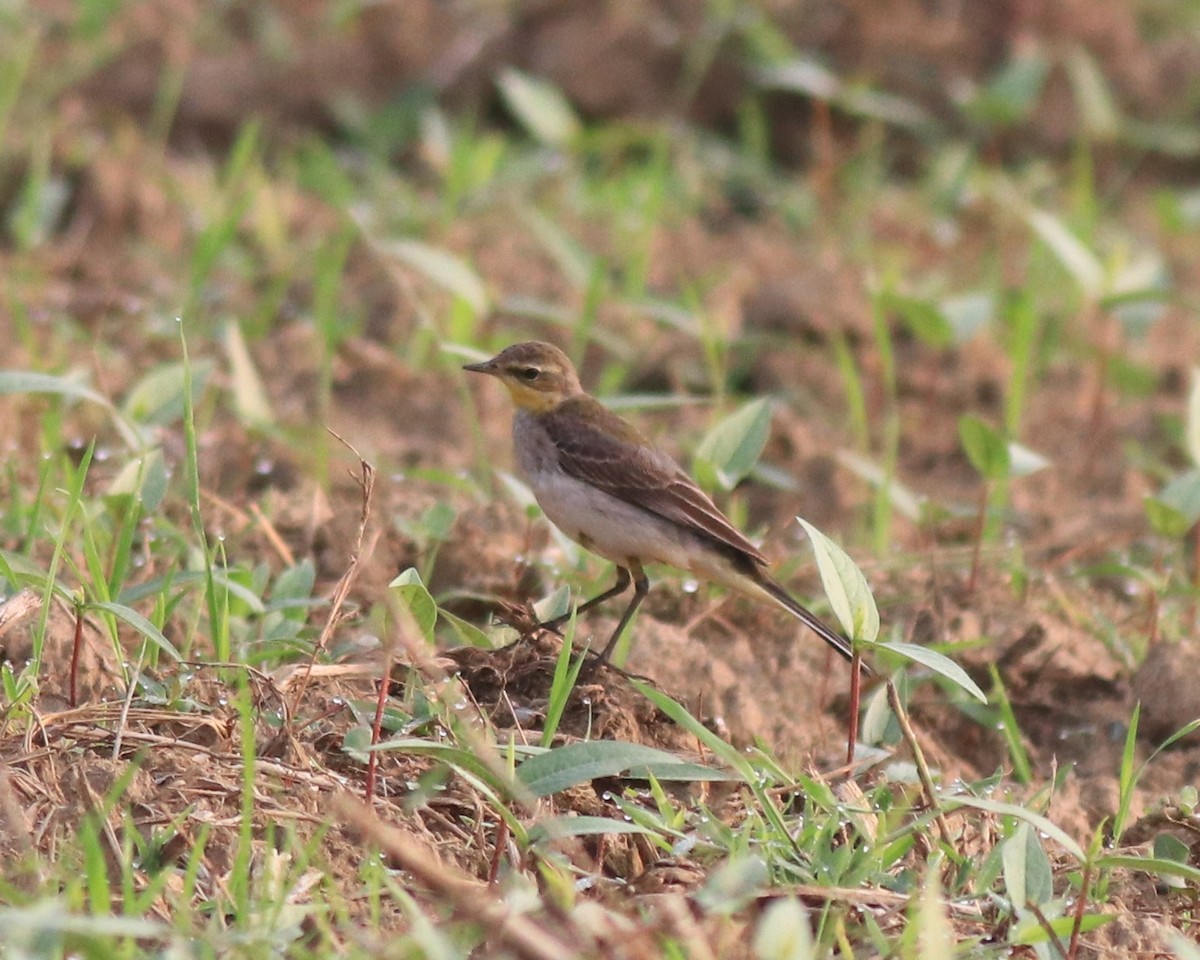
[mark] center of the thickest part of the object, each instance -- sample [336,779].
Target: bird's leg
[641,587]
[624,579]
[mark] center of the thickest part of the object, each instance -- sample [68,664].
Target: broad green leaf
[357,742]
[437,521]
[489,779]
[1137,314]
[985,447]
[734,884]
[1165,519]
[187,579]
[1176,508]
[1022,461]
[295,583]
[250,399]
[291,600]
[878,721]
[938,664]
[417,601]
[924,318]
[1093,98]
[140,624]
[845,586]
[1027,874]
[157,398]
[784,932]
[29,381]
[143,477]
[238,581]
[540,107]
[674,711]
[442,268]
[1032,931]
[1010,96]
[1174,138]
[1083,265]
[575,763]
[28,930]
[732,447]
[1131,378]
[802,74]
[1188,797]
[1169,847]
[557,604]
[553,828]
[465,631]
[968,314]
[1035,820]
[1153,865]
[1140,291]
[1181,946]
[888,107]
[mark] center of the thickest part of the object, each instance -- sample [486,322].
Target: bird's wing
[598,447]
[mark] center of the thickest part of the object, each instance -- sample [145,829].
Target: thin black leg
[641,587]
[624,579]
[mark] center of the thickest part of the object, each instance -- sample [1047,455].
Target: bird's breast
[614,529]
[533,450]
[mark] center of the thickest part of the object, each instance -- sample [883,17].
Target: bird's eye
[529,374]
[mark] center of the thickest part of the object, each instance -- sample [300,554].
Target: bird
[612,491]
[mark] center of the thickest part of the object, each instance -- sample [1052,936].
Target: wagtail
[613,492]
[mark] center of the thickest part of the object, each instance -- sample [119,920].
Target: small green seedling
[854,606]
[730,450]
[540,107]
[997,460]
[1175,511]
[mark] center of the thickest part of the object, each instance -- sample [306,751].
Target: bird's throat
[535,401]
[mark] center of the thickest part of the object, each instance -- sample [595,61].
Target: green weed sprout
[997,460]
[1175,510]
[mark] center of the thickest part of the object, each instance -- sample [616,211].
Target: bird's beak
[488,366]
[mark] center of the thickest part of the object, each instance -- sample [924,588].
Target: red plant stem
[75,648]
[1080,906]
[501,842]
[855,698]
[372,760]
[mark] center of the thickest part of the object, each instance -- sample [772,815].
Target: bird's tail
[776,592]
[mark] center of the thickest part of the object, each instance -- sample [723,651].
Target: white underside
[623,533]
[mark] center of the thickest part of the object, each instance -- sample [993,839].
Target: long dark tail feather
[808,618]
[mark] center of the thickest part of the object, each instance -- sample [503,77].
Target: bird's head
[538,375]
